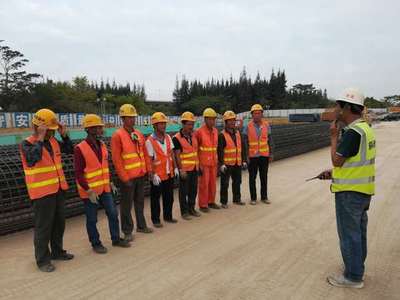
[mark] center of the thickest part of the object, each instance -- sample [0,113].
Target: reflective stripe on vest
[132,153]
[46,177]
[188,155]
[96,173]
[208,143]
[159,163]
[232,151]
[358,172]
[258,145]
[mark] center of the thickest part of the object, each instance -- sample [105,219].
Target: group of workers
[195,158]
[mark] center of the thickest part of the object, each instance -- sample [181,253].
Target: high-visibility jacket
[160,159]
[46,177]
[96,173]
[207,143]
[258,145]
[132,154]
[358,172]
[188,155]
[232,151]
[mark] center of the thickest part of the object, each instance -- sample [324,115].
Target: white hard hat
[352,95]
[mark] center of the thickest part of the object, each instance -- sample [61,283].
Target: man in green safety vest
[353,182]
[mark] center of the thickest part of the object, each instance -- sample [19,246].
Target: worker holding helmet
[46,185]
[353,182]
[231,159]
[162,169]
[128,153]
[93,183]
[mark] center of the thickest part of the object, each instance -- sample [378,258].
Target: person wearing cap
[353,182]
[185,148]
[207,140]
[128,155]
[93,182]
[258,144]
[231,159]
[46,185]
[161,167]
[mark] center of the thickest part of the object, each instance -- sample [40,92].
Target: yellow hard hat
[209,113]
[188,116]
[158,117]
[127,110]
[256,107]
[228,115]
[45,117]
[91,120]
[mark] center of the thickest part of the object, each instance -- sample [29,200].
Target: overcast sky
[333,44]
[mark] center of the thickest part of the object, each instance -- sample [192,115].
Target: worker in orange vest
[231,159]
[258,142]
[207,139]
[46,185]
[128,155]
[93,183]
[185,148]
[161,167]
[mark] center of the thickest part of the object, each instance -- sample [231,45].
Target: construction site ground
[280,251]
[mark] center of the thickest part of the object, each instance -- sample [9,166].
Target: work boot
[128,237]
[239,203]
[194,213]
[225,206]
[121,243]
[62,256]
[204,209]
[186,217]
[266,201]
[158,225]
[145,230]
[47,268]
[341,281]
[253,202]
[172,220]
[214,206]
[100,249]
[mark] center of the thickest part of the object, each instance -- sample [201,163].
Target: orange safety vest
[258,145]
[159,162]
[232,151]
[46,177]
[188,155]
[96,173]
[208,142]
[132,153]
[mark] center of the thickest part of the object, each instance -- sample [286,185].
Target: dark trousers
[165,189]
[234,172]
[107,201]
[188,192]
[352,221]
[49,219]
[258,164]
[132,193]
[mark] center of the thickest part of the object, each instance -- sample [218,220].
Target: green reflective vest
[358,172]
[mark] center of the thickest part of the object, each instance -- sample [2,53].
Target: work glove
[183,174]
[93,196]
[223,169]
[176,172]
[156,180]
[244,166]
[114,189]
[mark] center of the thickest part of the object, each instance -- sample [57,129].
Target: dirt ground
[278,251]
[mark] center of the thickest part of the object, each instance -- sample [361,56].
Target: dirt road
[279,251]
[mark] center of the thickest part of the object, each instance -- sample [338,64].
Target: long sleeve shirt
[33,152]
[80,163]
[222,145]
